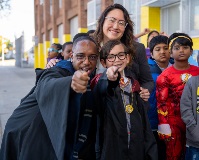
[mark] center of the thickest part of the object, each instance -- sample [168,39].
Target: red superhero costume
[170,85]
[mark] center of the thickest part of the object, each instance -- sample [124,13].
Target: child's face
[67,51]
[52,52]
[161,53]
[154,34]
[181,53]
[121,64]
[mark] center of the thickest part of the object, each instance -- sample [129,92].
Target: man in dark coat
[56,121]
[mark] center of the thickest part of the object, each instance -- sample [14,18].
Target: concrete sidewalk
[15,83]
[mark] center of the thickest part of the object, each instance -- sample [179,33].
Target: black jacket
[39,127]
[113,130]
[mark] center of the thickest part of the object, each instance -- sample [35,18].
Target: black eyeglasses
[112,21]
[81,57]
[112,57]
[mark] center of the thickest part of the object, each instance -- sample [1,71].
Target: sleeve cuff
[164,131]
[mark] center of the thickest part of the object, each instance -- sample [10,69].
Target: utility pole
[3,45]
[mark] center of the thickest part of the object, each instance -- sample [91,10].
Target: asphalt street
[15,83]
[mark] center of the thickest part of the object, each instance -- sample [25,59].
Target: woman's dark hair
[127,39]
[157,40]
[108,46]
[153,31]
[180,38]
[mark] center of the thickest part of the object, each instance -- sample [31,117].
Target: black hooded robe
[50,123]
[113,137]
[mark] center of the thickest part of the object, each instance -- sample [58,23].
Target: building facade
[57,21]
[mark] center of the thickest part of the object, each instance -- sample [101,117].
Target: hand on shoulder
[52,63]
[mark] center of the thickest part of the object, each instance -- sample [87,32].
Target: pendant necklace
[128,107]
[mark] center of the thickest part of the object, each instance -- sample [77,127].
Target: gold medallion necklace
[128,107]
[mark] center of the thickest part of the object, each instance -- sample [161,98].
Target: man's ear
[103,62]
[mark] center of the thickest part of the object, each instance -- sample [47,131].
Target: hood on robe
[66,65]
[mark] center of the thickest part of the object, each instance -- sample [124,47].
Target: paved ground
[15,83]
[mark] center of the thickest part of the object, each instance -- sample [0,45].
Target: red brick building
[57,21]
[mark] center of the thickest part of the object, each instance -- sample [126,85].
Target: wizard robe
[52,121]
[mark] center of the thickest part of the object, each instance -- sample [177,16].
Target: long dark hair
[127,39]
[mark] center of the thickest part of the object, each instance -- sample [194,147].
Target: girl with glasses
[125,131]
[55,52]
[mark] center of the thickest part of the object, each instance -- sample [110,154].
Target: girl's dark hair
[180,38]
[127,39]
[150,34]
[59,48]
[108,46]
[157,40]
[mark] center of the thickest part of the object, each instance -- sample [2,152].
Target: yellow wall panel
[195,43]
[41,55]
[66,38]
[46,46]
[36,57]
[82,30]
[150,18]
[55,40]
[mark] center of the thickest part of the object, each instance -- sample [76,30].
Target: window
[119,2]
[74,26]
[93,13]
[43,38]
[60,3]
[133,8]
[41,2]
[51,36]
[170,19]
[194,17]
[60,33]
[51,7]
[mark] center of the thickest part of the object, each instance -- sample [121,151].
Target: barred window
[194,17]
[74,26]
[133,8]
[60,3]
[60,33]
[170,19]
[51,36]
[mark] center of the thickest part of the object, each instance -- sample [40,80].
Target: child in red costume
[170,85]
